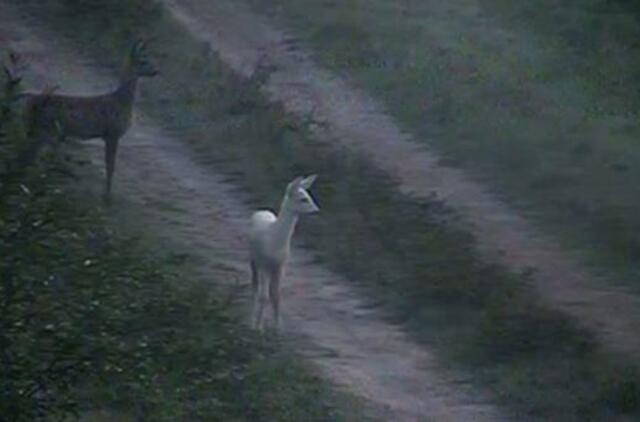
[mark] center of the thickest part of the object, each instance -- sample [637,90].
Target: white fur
[261,220]
[270,244]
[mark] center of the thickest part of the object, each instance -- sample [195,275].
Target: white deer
[270,244]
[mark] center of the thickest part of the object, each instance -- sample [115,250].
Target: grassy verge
[94,323]
[535,98]
[405,253]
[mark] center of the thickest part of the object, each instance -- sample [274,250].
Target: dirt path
[353,119]
[351,345]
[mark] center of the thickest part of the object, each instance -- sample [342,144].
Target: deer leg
[259,300]
[111,148]
[57,139]
[263,302]
[255,286]
[274,295]
[254,276]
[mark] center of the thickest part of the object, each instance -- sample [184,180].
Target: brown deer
[106,116]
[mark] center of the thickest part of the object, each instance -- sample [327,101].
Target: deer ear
[294,184]
[308,181]
[136,46]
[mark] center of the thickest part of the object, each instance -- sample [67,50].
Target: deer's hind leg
[274,294]
[259,296]
[254,276]
[110,151]
[255,289]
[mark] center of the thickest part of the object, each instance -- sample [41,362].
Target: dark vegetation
[94,324]
[405,253]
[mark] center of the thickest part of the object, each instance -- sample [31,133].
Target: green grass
[405,254]
[96,320]
[538,99]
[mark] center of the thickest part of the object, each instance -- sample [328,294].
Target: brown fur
[107,116]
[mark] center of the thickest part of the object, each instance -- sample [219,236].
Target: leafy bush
[35,368]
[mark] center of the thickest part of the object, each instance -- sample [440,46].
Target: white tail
[106,116]
[270,243]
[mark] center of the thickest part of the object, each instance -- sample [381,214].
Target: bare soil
[350,117]
[326,320]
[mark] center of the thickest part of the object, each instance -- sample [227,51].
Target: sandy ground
[354,119]
[324,319]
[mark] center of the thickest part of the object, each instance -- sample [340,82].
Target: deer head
[14,68]
[297,197]
[137,61]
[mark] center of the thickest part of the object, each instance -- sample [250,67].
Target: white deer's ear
[294,184]
[308,181]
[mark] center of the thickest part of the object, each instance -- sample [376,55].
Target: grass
[536,99]
[404,253]
[98,322]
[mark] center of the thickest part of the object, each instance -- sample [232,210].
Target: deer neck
[126,90]
[285,225]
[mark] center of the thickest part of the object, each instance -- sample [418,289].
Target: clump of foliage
[31,384]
